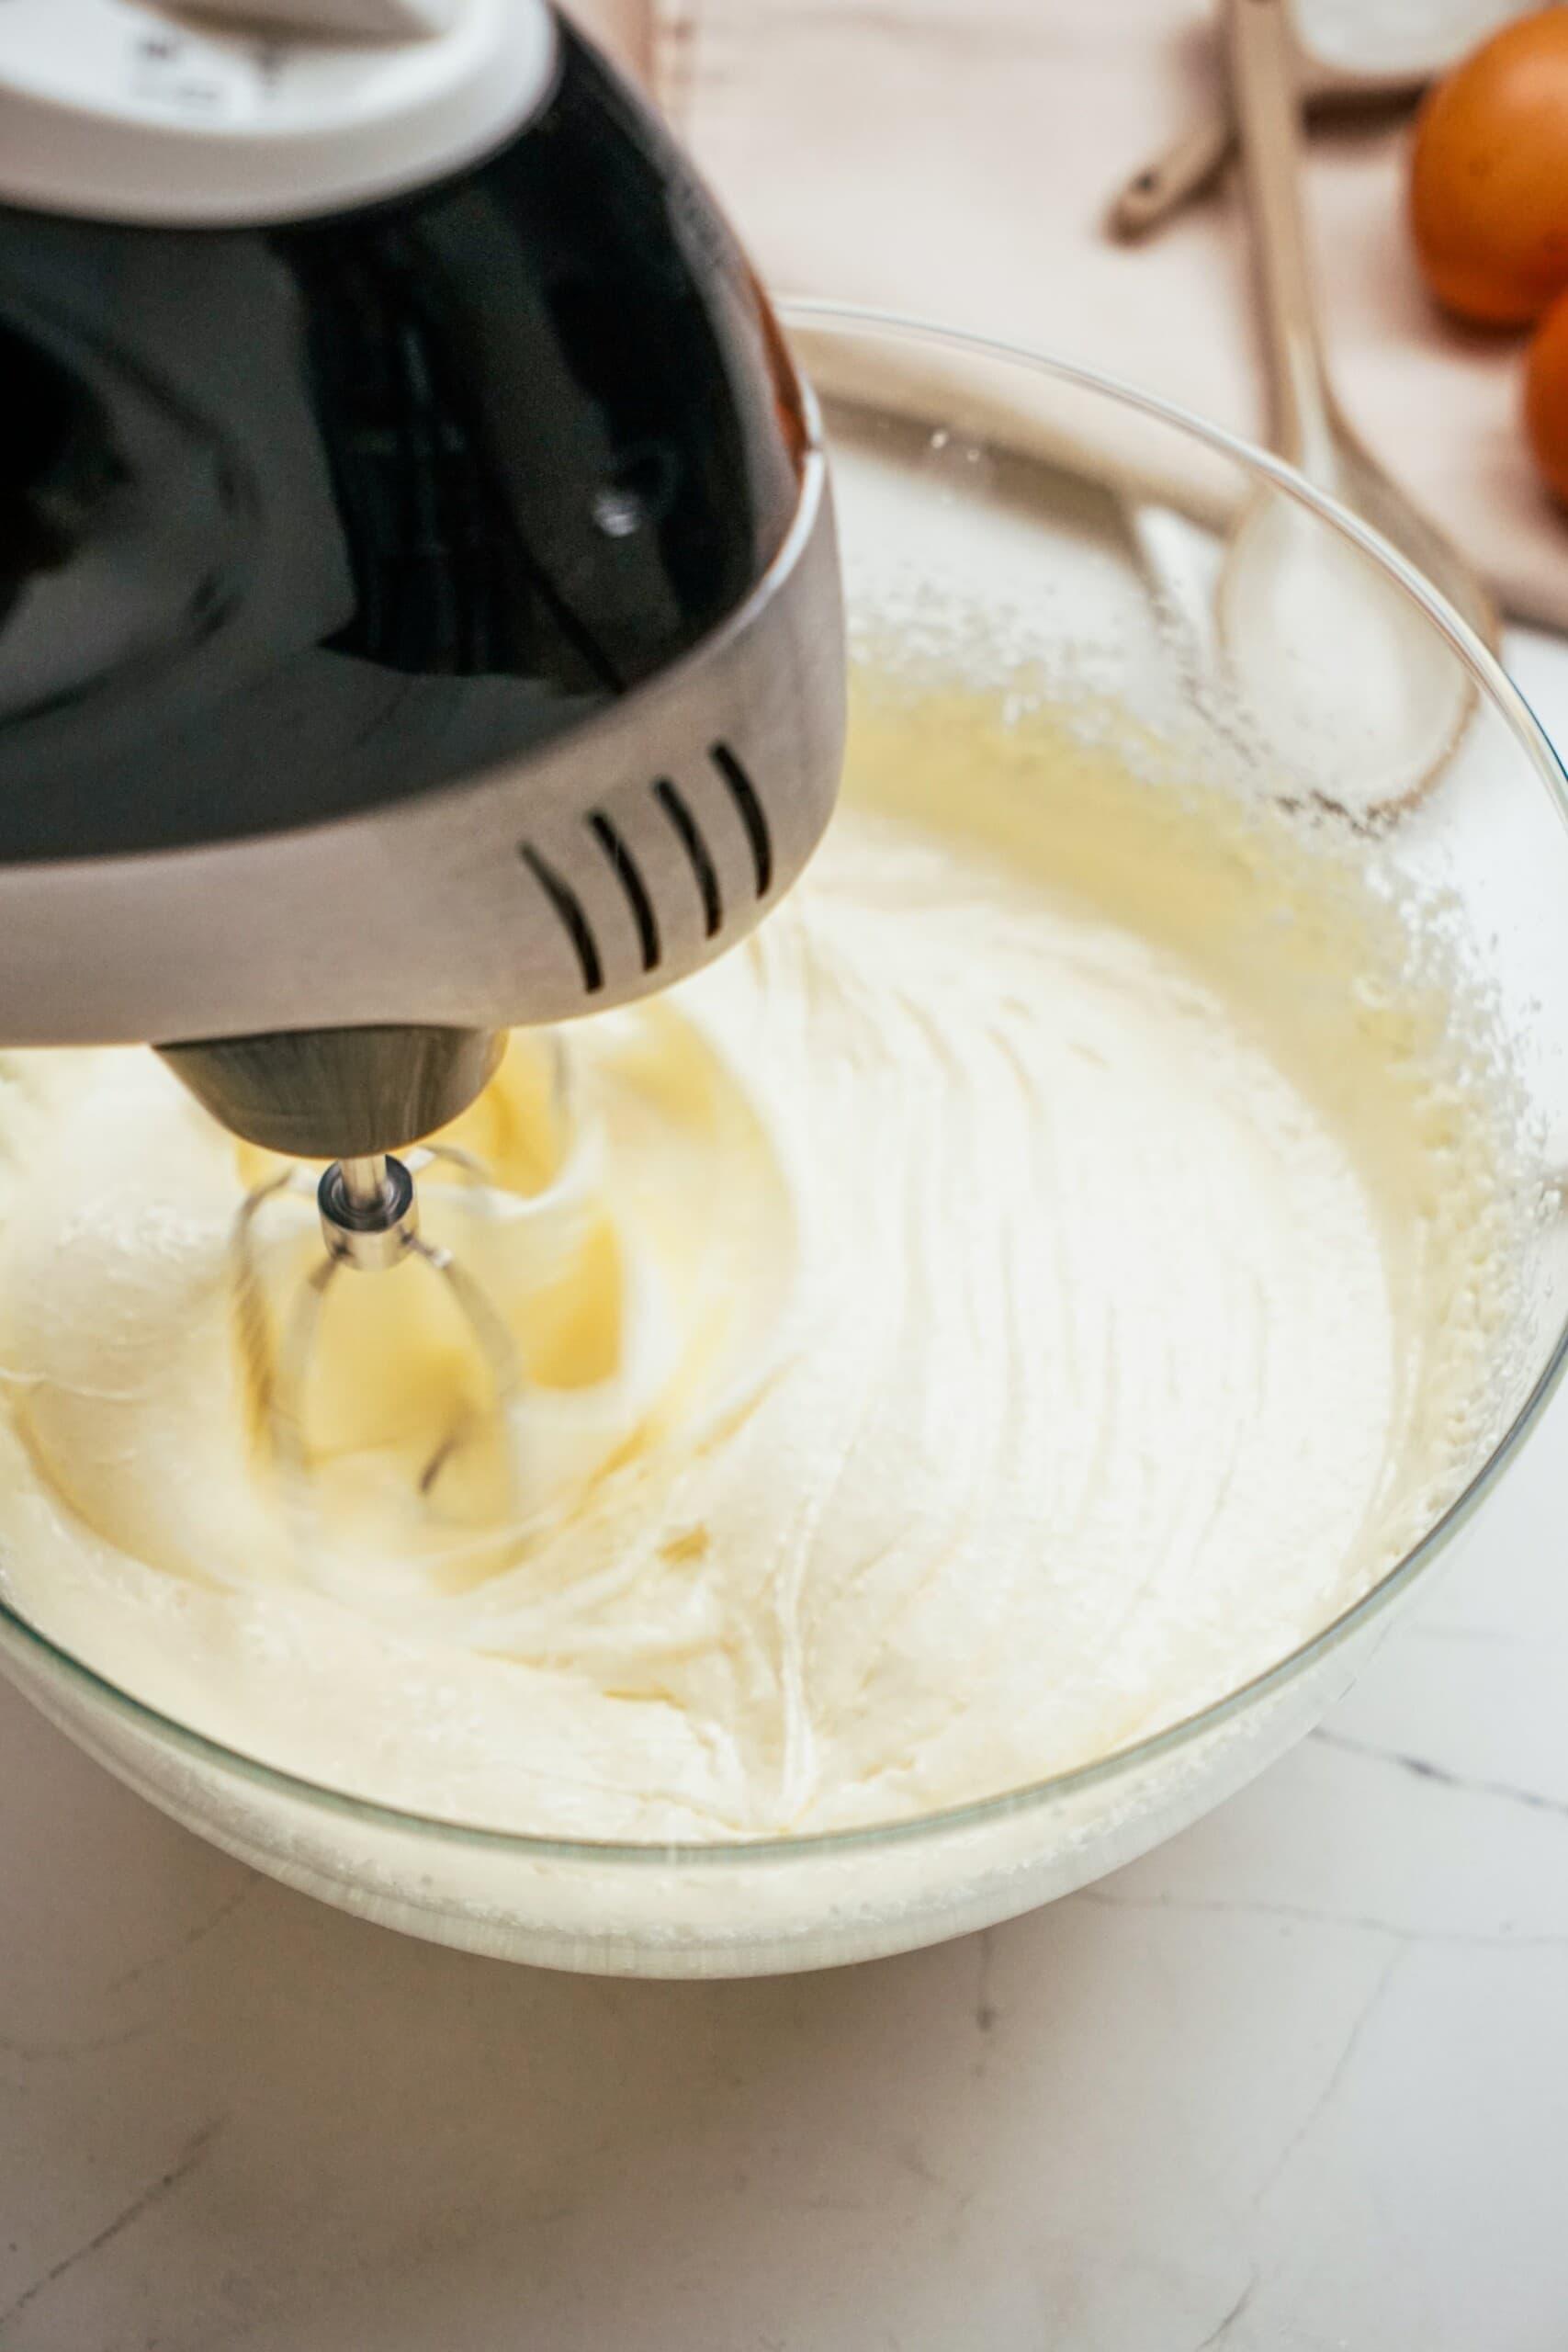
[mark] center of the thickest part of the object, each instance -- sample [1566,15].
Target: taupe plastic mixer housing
[419,611]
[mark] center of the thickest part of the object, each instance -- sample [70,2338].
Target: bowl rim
[18,1637]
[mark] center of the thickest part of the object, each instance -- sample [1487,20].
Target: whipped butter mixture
[1036,1283]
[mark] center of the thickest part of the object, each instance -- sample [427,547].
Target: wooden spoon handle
[1267,112]
[1188,165]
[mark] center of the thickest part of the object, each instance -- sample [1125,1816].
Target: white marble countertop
[1296,2083]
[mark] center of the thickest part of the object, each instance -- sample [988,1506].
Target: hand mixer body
[418,610]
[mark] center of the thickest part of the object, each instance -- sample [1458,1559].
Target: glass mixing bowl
[1128,554]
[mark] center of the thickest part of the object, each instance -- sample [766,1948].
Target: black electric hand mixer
[419,611]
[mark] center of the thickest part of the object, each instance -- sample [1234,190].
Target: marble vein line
[1218,2334]
[192,1937]
[1423,1768]
[1308,1914]
[1338,2073]
[153,2195]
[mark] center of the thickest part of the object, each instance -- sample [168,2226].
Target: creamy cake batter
[1035,1284]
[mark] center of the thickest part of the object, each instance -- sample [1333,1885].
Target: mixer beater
[368,1215]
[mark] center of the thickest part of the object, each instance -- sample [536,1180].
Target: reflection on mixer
[432,479]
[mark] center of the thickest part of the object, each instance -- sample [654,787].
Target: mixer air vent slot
[625,868]
[743,792]
[569,908]
[690,838]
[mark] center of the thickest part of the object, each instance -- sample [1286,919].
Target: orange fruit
[1546,396]
[1489,175]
